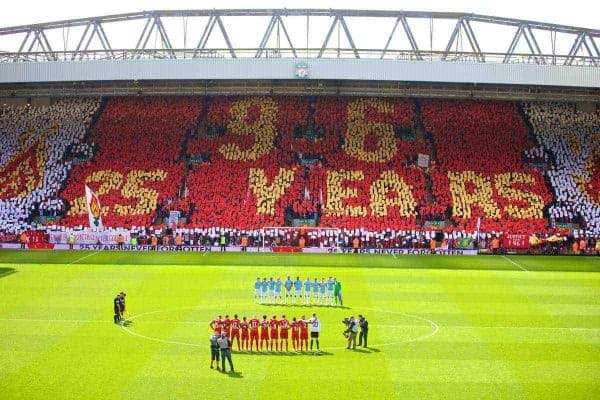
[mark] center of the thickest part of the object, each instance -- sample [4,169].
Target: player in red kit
[235,331]
[303,333]
[264,333]
[284,326]
[254,324]
[216,325]
[274,325]
[245,334]
[227,326]
[295,334]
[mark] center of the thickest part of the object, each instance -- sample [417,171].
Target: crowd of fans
[572,137]
[480,171]
[34,146]
[136,164]
[348,163]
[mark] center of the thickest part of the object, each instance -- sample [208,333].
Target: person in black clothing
[364,330]
[117,308]
[122,305]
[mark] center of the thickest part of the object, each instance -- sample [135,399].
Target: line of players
[324,292]
[271,334]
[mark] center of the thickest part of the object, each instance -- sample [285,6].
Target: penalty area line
[515,263]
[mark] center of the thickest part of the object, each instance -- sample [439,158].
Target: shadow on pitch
[366,350]
[4,272]
[281,354]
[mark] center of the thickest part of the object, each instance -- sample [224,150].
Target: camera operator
[364,330]
[352,329]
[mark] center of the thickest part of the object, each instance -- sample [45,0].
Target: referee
[122,308]
[117,308]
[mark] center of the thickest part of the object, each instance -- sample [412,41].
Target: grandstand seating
[573,139]
[135,167]
[349,160]
[480,172]
[34,142]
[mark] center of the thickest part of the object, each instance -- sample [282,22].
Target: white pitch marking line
[78,321]
[84,257]
[514,263]
[435,330]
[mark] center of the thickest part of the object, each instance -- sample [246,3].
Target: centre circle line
[436,328]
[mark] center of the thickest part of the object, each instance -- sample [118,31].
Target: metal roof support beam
[452,39]
[266,36]
[41,40]
[390,37]
[574,50]
[589,50]
[46,46]
[89,40]
[411,38]
[303,13]
[595,47]
[35,43]
[349,36]
[513,45]
[149,24]
[532,49]
[148,34]
[104,40]
[81,40]
[24,42]
[224,32]
[164,37]
[210,24]
[535,44]
[287,36]
[328,36]
[473,40]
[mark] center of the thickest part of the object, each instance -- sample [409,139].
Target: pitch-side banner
[89,237]
[234,249]
[515,241]
[396,252]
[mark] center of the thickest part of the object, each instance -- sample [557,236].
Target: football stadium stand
[238,164]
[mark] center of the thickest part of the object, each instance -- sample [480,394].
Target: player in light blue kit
[288,290]
[257,286]
[307,286]
[297,290]
[278,286]
[271,291]
[330,286]
[264,287]
[322,290]
[315,292]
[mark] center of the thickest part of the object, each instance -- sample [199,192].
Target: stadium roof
[303,33]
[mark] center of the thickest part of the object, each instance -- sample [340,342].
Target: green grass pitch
[442,327]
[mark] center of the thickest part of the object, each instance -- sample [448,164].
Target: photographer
[352,329]
[364,330]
